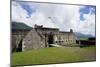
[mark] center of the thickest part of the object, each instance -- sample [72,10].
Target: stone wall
[33,40]
[17,36]
[64,38]
[40,37]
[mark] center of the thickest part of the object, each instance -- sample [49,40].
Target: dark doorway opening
[19,48]
[50,38]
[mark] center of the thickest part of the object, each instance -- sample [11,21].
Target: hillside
[20,26]
[81,35]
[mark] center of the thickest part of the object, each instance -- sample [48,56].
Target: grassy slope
[53,55]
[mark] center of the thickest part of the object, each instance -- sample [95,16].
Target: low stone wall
[86,42]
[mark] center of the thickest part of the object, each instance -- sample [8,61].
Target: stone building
[40,37]
[19,31]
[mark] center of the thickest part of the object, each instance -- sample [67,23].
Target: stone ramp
[55,45]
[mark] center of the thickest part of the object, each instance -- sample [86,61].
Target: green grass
[83,38]
[54,55]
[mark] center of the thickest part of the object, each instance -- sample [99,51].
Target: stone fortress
[26,38]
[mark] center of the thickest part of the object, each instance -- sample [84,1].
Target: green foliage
[54,55]
[20,26]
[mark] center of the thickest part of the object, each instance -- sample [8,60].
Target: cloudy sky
[65,17]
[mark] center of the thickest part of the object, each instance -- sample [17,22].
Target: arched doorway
[50,38]
[19,48]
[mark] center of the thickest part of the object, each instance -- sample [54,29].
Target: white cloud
[18,14]
[40,19]
[88,25]
[64,17]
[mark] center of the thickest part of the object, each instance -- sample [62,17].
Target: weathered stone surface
[40,37]
[33,41]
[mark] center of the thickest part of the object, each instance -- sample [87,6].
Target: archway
[19,48]
[50,38]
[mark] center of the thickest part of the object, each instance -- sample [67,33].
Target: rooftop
[48,28]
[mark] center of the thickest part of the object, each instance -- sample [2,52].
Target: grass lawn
[54,55]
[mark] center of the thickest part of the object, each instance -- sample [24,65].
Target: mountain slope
[81,35]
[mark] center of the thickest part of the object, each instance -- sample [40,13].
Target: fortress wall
[33,41]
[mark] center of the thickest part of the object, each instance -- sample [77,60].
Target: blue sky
[86,10]
[66,17]
[26,7]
